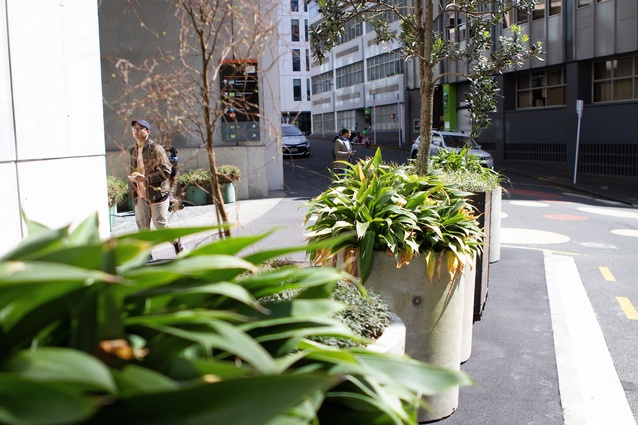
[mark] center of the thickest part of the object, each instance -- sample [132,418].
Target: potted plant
[389,218]
[228,175]
[117,192]
[195,185]
[118,338]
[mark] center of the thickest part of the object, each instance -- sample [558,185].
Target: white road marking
[591,392]
[609,212]
[534,204]
[626,232]
[528,236]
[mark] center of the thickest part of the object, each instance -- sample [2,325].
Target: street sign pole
[579,111]
[374,119]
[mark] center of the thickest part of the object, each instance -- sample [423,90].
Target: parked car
[454,140]
[295,142]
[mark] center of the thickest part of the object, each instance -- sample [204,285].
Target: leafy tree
[483,55]
[177,84]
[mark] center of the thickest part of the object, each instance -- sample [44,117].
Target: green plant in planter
[366,313]
[228,173]
[200,177]
[87,326]
[390,208]
[117,190]
[465,170]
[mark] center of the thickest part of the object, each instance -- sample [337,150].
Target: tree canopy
[484,50]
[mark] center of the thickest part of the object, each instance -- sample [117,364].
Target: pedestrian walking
[150,183]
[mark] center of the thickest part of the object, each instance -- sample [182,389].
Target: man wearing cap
[150,180]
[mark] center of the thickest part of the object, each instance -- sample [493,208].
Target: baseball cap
[143,123]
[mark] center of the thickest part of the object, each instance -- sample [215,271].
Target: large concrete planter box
[433,317]
[482,201]
[469,276]
[495,225]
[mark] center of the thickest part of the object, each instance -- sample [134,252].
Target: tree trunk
[209,122]
[425,31]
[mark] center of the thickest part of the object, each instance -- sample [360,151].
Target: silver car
[453,140]
[295,142]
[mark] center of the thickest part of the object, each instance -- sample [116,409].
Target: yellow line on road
[566,253]
[609,277]
[628,308]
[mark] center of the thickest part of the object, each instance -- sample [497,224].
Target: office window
[307,60]
[455,28]
[616,79]
[313,10]
[296,60]
[347,119]
[294,5]
[305,27]
[390,16]
[386,117]
[308,89]
[385,65]
[296,89]
[522,15]
[555,7]
[515,15]
[294,29]
[539,10]
[349,75]
[305,6]
[541,88]
[353,30]
[322,83]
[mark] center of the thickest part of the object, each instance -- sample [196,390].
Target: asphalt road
[560,251]
[600,237]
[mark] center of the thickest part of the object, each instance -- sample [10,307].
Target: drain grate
[536,152]
[610,160]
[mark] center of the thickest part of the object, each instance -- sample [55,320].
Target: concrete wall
[52,156]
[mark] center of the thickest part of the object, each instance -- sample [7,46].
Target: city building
[590,64]
[52,160]
[294,63]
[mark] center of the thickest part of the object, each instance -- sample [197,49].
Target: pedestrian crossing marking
[607,274]
[628,308]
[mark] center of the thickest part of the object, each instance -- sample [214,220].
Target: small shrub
[228,173]
[366,315]
[117,190]
[194,177]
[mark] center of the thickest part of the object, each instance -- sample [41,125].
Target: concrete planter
[495,225]
[228,192]
[112,215]
[433,317]
[392,340]
[482,201]
[469,276]
[195,195]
